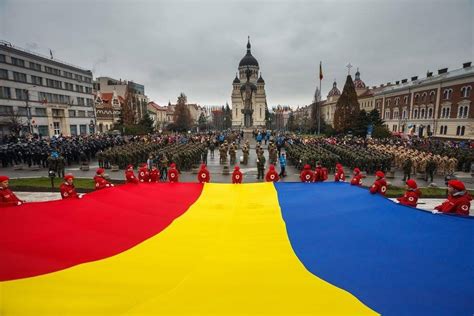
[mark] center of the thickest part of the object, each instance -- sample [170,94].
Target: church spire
[357,75]
[248,45]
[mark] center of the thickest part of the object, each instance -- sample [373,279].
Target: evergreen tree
[374,118]
[146,123]
[361,123]
[347,108]
[182,116]
[227,117]
[291,124]
[202,122]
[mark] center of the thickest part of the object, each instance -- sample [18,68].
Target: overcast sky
[195,46]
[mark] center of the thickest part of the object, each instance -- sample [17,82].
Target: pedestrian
[203,174]
[412,194]
[7,197]
[307,174]
[237,176]
[339,174]
[154,174]
[130,175]
[173,174]
[143,173]
[357,179]
[100,181]
[282,165]
[67,188]
[458,202]
[380,185]
[272,175]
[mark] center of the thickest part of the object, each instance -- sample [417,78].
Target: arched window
[445,129]
[422,113]
[387,114]
[417,97]
[423,97]
[260,112]
[406,99]
[432,96]
[236,113]
[415,113]
[463,129]
[465,112]
[430,112]
[447,94]
[458,130]
[441,129]
[404,114]
[397,101]
[388,102]
[466,91]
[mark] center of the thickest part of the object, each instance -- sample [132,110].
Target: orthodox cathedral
[249,100]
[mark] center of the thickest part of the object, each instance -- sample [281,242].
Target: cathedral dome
[260,79]
[358,83]
[248,59]
[236,80]
[334,91]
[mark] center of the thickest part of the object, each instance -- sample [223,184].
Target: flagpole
[319,101]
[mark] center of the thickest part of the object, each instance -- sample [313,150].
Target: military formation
[414,161]
[38,152]
[300,154]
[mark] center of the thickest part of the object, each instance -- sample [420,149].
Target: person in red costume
[155,174]
[272,174]
[339,174]
[203,174]
[143,173]
[412,194]
[173,174]
[67,189]
[459,200]
[357,179]
[100,181]
[237,176]
[129,175]
[380,185]
[320,173]
[307,174]
[7,197]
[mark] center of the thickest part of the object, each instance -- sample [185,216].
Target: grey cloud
[195,46]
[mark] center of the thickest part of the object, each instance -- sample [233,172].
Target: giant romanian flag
[222,249]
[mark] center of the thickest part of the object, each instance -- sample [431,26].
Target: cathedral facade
[249,100]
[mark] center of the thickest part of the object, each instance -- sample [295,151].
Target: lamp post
[28,111]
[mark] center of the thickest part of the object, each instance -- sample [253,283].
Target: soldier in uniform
[7,197]
[100,181]
[245,152]
[407,166]
[232,153]
[260,165]
[237,176]
[67,189]
[164,167]
[430,169]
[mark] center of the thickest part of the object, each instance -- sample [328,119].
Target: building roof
[440,77]
[107,97]
[358,83]
[334,91]
[156,106]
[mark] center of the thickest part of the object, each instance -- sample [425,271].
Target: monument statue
[247,91]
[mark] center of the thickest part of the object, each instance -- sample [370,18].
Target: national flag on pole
[51,53]
[320,71]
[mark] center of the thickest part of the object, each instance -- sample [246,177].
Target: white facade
[49,97]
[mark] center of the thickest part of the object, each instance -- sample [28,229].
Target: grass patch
[425,192]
